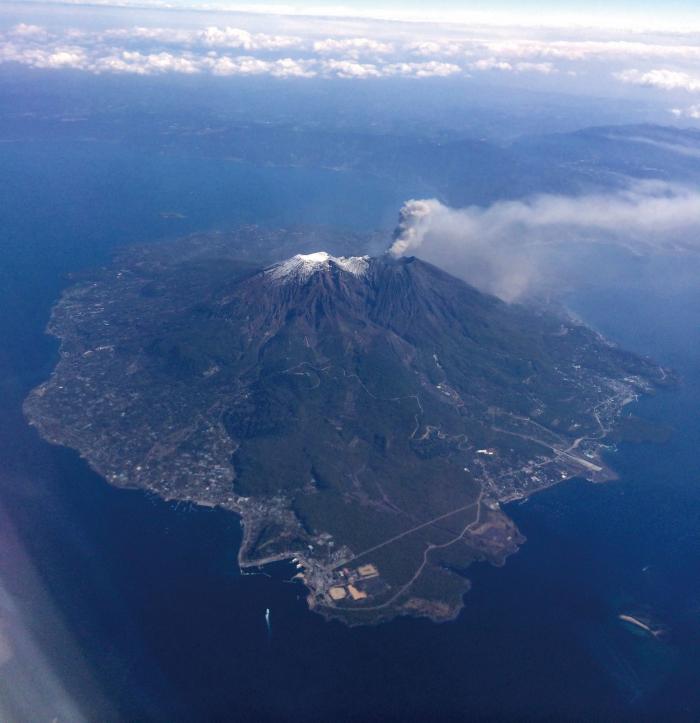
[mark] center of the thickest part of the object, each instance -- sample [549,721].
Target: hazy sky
[669,12]
[650,7]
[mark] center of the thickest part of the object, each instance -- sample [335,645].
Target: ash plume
[513,249]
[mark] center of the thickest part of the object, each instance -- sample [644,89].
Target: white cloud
[135,62]
[236,38]
[139,50]
[156,63]
[431,69]
[661,78]
[504,48]
[352,47]
[433,48]
[247,65]
[289,68]
[520,67]
[491,64]
[211,36]
[146,64]
[63,58]
[350,69]
[514,247]
[590,49]
[56,57]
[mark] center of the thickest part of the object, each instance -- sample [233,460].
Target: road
[408,532]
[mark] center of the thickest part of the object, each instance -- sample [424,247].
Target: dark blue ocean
[135,607]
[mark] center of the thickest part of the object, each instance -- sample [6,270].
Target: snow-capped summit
[302,266]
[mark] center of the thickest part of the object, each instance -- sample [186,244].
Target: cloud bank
[286,45]
[157,50]
[516,248]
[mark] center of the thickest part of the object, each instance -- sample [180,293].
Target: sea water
[136,605]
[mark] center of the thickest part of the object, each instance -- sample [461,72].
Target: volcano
[365,416]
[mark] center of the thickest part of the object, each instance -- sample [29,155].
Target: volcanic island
[366,417]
